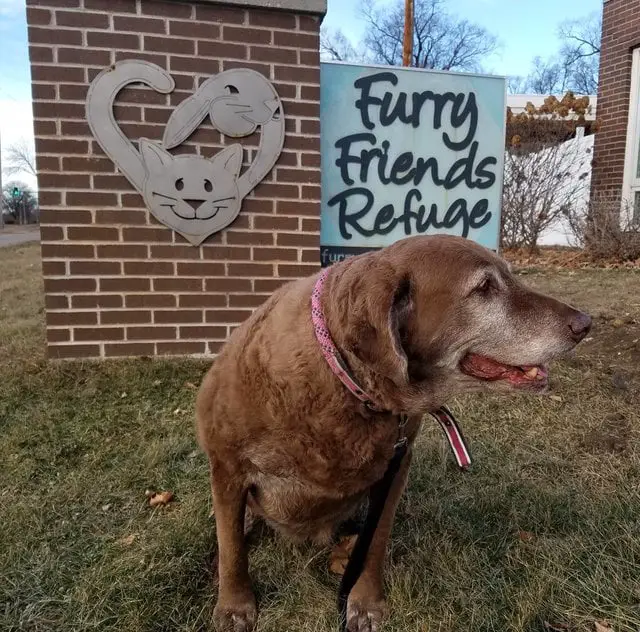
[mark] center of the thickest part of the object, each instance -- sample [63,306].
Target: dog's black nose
[580,324]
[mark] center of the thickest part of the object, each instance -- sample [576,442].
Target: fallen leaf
[128,540]
[157,382]
[190,385]
[106,507]
[602,626]
[160,499]
[618,322]
[123,395]
[176,411]
[555,398]
[526,536]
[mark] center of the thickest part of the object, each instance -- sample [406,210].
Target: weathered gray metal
[319,7]
[190,194]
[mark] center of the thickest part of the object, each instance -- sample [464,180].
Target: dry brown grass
[546,527]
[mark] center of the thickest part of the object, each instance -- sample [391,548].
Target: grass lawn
[546,528]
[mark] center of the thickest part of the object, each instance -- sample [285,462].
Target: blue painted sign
[408,152]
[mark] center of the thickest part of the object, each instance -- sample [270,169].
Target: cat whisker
[169,197]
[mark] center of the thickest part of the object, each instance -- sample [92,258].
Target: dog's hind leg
[236,608]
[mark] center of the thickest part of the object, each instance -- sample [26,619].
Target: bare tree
[441,41]
[20,159]
[576,66]
[581,52]
[516,84]
[335,46]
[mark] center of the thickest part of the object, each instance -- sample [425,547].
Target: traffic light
[16,193]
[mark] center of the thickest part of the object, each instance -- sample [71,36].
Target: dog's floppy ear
[382,306]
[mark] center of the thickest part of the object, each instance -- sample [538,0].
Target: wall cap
[317,7]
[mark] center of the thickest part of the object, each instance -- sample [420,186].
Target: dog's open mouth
[489,370]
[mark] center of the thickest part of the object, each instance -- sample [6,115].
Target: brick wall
[620,35]
[117,282]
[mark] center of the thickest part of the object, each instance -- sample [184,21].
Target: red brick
[275,254]
[297,240]
[247,300]
[225,252]
[222,50]
[64,181]
[125,284]
[249,238]
[88,164]
[171,45]
[125,317]
[250,269]
[310,256]
[110,182]
[138,25]
[57,73]
[178,284]
[54,36]
[122,251]
[202,300]
[150,300]
[249,36]
[217,13]
[181,348]
[74,128]
[60,110]
[67,251]
[175,251]
[227,284]
[203,268]
[272,19]
[310,127]
[275,223]
[178,316]
[42,55]
[58,335]
[82,19]
[63,319]
[309,23]
[56,301]
[53,286]
[95,268]
[151,333]
[51,233]
[54,268]
[87,301]
[166,9]
[92,233]
[43,91]
[115,6]
[203,331]
[48,198]
[62,146]
[40,17]
[120,41]
[146,235]
[311,225]
[297,40]
[98,333]
[60,352]
[148,268]
[126,349]
[271,190]
[200,30]
[311,176]
[85,57]
[286,207]
[121,217]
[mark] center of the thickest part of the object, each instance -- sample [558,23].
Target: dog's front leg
[366,606]
[236,607]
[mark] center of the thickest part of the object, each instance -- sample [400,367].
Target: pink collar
[335,361]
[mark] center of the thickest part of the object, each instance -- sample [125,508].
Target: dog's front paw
[238,615]
[365,614]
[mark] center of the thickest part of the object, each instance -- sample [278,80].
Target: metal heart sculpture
[190,194]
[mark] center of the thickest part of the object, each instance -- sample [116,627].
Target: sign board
[408,152]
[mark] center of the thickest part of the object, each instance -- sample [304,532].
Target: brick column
[620,35]
[117,282]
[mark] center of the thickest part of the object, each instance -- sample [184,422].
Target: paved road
[13,239]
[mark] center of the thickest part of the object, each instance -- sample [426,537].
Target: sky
[524,29]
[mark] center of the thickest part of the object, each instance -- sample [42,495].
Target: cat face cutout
[193,195]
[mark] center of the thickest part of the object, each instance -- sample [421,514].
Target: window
[631,184]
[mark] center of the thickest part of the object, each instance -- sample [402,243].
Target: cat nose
[194,204]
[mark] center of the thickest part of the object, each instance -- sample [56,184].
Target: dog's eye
[484,287]
[179,184]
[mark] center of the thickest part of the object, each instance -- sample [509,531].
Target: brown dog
[417,322]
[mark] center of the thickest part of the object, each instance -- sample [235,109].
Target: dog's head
[438,315]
